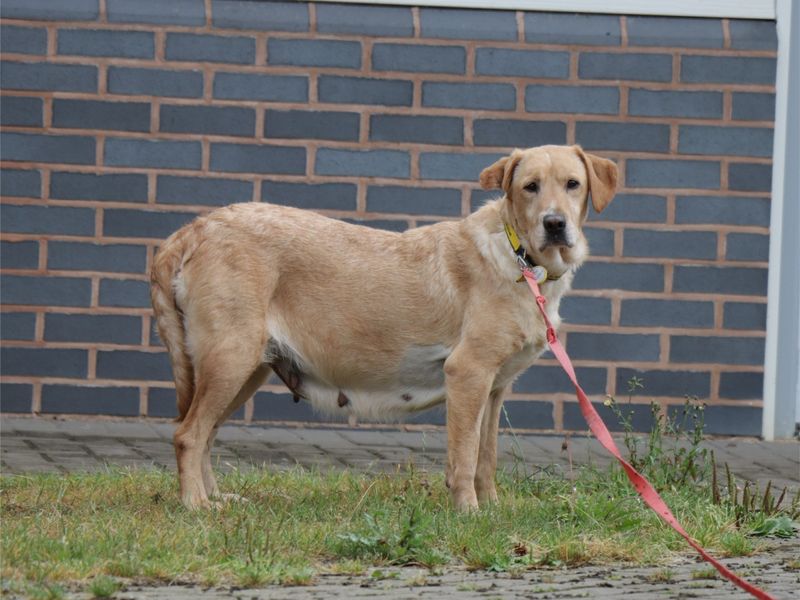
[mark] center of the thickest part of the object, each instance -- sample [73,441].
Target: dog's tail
[169,317]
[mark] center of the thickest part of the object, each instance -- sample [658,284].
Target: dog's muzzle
[555,229]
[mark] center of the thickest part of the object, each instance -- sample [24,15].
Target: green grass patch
[95,531]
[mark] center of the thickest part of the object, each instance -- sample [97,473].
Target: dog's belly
[417,382]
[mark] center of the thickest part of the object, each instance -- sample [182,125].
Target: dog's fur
[367,322]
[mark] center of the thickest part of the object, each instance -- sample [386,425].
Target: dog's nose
[555,224]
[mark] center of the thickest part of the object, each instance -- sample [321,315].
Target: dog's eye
[533,187]
[572,184]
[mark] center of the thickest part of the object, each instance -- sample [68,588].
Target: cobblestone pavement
[54,445]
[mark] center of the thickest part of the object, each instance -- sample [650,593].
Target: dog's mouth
[560,242]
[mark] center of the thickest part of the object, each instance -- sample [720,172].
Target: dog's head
[547,191]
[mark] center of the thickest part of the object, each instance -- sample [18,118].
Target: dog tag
[539,273]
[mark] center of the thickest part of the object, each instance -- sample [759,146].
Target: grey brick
[453,166]
[141,223]
[741,386]
[423,201]
[676,384]
[727,69]
[753,35]
[572,99]
[640,415]
[272,88]
[29,218]
[326,196]
[17,326]
[518,133]
[553,380]
[468,24]
[640,67]
[19,255]
[733,420]
[112,187]
[314,53]
[37,147]
[585,311]
[47,77]
[269,406]
[21,111]
[132,364]
[84,256]
[155,82]
[97,114]
[162,154]
[670,244]
[667,313]
[124,293]
[175,12]
[312,124]
[744,315]
[384,21]
[733,141]
[266,16]
[722,210]
[720,280]
[51,10]
[566,28]
[422,129]
[362,90]
[23,40]
[112,329]
[724,350]
[634,208]
[172,189]
[90,400]
[613,346]
[249,158]
[477,198]
[161,402]
[528,414]
[17,397]
[46,291]
[675,32]
[642,137]
[522,63]
[748,177]
[415,58]
[753,106]
[385,224]
[46,362]
[620,276]
[489,96]
[211,48]
[673,173]
[363,163]
[219,120]
[664,103]
[21,183]
[747,246]
[106,42]
[601,241]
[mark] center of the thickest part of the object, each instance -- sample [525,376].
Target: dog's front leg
[487,456]
[468,385]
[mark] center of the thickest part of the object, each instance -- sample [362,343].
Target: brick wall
[123,119]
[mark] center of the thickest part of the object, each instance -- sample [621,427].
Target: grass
[90,531]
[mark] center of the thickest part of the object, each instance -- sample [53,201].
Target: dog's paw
[228,498]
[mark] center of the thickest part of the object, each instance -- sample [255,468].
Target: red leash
[600,431]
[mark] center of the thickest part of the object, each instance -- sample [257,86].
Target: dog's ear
[602,178]
[500,174]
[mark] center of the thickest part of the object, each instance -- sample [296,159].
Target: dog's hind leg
[222,371]
[258,377]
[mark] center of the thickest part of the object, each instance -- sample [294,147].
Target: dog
[372,323]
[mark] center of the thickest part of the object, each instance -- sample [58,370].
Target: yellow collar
[524,260]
